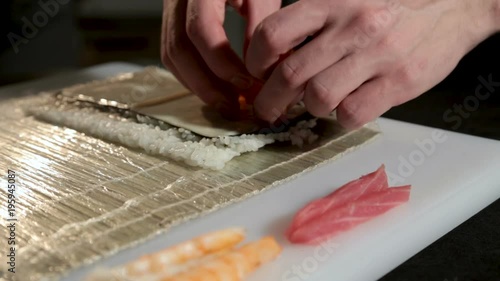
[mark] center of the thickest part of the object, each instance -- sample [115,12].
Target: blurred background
[48,37]
[69,34]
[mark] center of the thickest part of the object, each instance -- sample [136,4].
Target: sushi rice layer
[165,140]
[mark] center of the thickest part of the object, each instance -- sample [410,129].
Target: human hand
[196,49]
[365,56]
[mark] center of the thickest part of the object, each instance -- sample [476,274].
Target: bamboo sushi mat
[79,198]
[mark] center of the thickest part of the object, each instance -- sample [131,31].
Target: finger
[326,90]
[164,39]
[367,103]
[274,99]
[280,32]
[204,27]
[190,65]
[238,5]
[255,12]
[289,77]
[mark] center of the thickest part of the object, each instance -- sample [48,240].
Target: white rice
[177,143]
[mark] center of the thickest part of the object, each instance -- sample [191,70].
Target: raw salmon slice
[373,182]
[344,217]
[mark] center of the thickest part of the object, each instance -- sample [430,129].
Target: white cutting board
[457,179]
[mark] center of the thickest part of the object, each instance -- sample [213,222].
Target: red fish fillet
[373,182]
[349,215]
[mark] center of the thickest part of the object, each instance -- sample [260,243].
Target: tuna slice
[354,203]
[373,182]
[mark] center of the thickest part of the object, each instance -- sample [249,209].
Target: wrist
[491,16]
[496,15]
[482,20]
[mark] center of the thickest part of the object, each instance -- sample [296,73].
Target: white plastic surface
[451,182]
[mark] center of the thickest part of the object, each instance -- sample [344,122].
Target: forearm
[491,15]
[496,14]
[481,20]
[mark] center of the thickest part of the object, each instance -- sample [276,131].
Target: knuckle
[374,21]
[350,115]
[267,32]
[366,17]
[391,43]
[323,98]
[318,91]
[290,73]
[406,75]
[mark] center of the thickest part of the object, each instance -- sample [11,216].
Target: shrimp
[198,247]
[211,257]
[119,274]
[232,266]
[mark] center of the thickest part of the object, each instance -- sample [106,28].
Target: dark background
[88,32]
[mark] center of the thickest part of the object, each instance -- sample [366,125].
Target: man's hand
[365,56]
[196,49]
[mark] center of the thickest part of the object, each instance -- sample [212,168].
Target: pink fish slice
[373,182]
[345,217]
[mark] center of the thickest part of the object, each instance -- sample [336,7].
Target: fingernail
[242,82]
